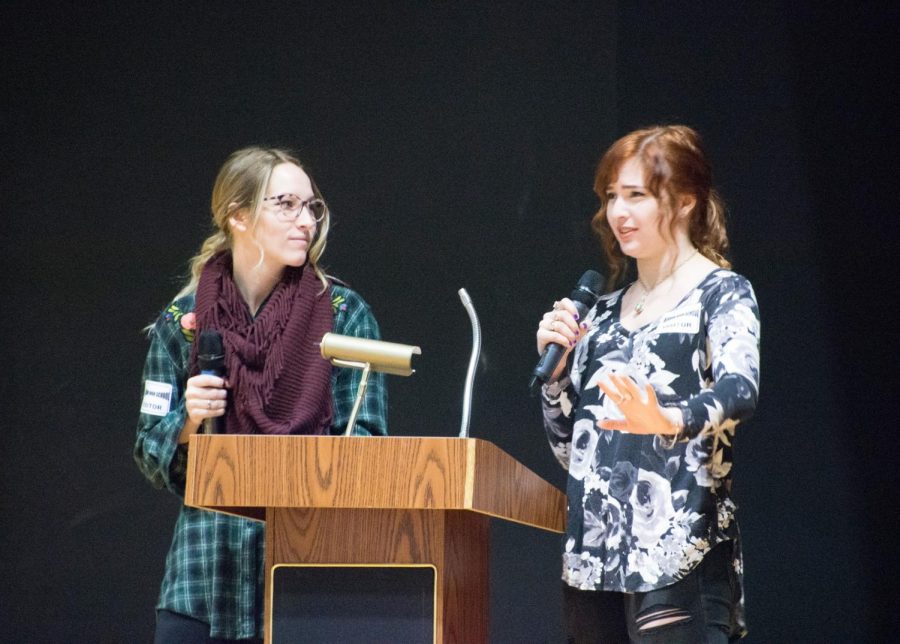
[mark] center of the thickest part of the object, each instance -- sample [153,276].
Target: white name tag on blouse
[685,319]
[157,398]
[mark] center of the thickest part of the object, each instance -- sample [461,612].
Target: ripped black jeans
[695,610]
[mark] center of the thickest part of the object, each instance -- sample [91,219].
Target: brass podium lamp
[368,355]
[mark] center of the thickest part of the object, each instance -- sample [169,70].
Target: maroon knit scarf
[280,384]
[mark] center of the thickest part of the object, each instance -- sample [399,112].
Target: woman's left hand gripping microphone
[211,362]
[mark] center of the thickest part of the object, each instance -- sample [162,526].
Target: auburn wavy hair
[674,164]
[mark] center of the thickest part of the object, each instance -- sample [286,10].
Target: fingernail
[584,325]
[576,315]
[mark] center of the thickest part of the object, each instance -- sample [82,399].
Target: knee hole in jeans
[660,616]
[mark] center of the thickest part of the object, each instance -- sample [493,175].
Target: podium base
[400,549]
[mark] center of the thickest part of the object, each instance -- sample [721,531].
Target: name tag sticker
[682,320]
[157,398]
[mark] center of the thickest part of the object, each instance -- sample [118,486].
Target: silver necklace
[639,307]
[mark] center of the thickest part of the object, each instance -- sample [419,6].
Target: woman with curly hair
[642,412]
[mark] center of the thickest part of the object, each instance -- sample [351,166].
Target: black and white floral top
[643,510]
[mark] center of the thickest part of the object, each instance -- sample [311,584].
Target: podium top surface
[245,474]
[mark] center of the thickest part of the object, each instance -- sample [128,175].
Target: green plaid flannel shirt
[215,566]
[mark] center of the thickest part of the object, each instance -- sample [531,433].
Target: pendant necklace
[639,307]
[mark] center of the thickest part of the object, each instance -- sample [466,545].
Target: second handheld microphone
[585,295]
[211,362]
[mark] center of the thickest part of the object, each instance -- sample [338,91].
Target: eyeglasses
[289,207]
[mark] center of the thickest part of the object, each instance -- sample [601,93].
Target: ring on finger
[209,404]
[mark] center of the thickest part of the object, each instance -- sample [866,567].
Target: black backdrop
[456,146]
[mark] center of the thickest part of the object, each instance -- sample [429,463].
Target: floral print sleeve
[729,362]
[560,398]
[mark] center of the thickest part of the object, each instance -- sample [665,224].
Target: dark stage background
[456,145]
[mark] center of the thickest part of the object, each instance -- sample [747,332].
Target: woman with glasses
[258,283]
[643,413]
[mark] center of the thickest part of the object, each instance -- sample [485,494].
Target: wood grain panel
[466,582]
[236,472]
[455,542]
[505,488]
[302,471]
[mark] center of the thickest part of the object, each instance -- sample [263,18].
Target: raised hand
[642,412]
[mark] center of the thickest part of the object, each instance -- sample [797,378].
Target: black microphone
[585,295]
[211,362]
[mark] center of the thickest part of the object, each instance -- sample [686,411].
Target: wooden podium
[380,502]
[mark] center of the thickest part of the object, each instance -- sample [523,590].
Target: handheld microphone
[211,362]
[585,295]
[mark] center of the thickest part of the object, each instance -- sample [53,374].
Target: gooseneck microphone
[211,362]
[585,295]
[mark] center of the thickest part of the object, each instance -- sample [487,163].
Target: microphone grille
[210,343]
[589,288]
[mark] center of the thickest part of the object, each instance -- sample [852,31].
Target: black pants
[175,628]
[691,611]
